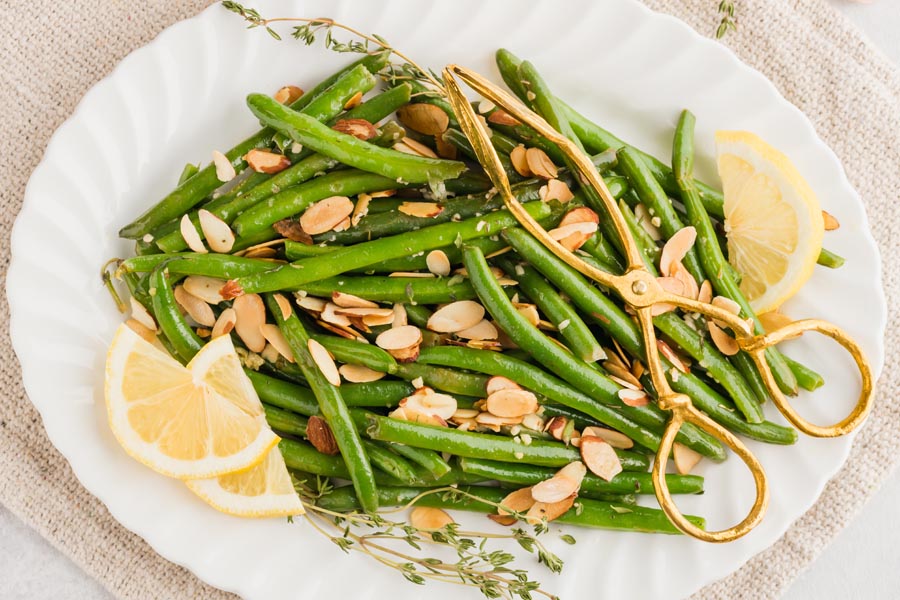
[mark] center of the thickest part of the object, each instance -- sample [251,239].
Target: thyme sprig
[728,22]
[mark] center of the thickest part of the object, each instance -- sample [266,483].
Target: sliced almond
[329,315]
[216,231]
[555,189]
[274,336]
[483,330]
[706,292]
[190,235]
[423,210]
[261,253]
[625,377]
[140,314]
[672,356]
[359,374]
[633,397]
[225,323]
[288,94]
[501,117]
[350,301]
[727,304]
[530,312]
[270,354]
[519,161]
[540,164]
[556,426]
[400,318]
[199,311]
[401,342]
[830,222]
[250,315]
[410,146]
[511,403]
[498,382]
[320,436]
[380,313]
[613,438]
[427,518]
[424,118]
[645,220]
[205,288]
[573,236]
[415,416]
[358,128]
[263,161]
[485,106]
[224,169]
[354,101]
[438,263]
[147,334]
[284,306]
[412,274]
[456,316]
[774,320]
[518,501]
[440,405]
[563,484]
[533,422]
[726,344]
[676,249]
[361,209]
[489,419]
[542,511]
[323,359]
[344,332]
[691,289]
[325,214]
[685,458]
[600,457]
[444,148]
[312,303]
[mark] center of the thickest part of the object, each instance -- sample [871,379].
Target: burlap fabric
[53,52]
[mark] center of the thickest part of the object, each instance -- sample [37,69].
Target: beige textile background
[53,52]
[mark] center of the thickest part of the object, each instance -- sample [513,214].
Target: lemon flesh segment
[773,221]
[202,420]
[265,490]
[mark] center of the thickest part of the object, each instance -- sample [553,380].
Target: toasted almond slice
[343,225]
[412,274]
[774,320]
[438,263]
[600,457]
[676,249]
[354,101]
[205,288]
[415,416]
[444,148]
[501,117]
[383,313]
[410,146]
[556,426]
[263,161]
[484,106]
[489,419]
[345,332]
[311,303]
[530,312]
[400,319]
[216,231]
[726,344]
[140,314]
[325,214]
[361,209]
[274,336]
[674,357]
[190,235]
[324,361]
[540,164]
[498,382]
[427,518]
[519,161]
[359,373]
[288,94]
[548,512]
[563,484]
[224,169]
[225,323]
[358,128]
[199,311]
[727,304]
[533,422]
[424,118]
[456,316]
[831,223]
[629,380]
[401,342]
[441,405]
[148,334]
[290,228]
[613,438]
[671,285]
[350,301]
[483,330]
[685,458]
[637,369]
[250,314]
[516,502]
[464,414]
[505,520]
[633,397]
[330,316]
[555,189]
[284,306]
[574,235]
[263,253]
[581,214]
[511,403]
[320,436]
[706,292]
[423,210]
[645,220]
[691,289]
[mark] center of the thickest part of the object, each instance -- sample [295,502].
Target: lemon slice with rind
[202,420]
[263,491]
[773,220]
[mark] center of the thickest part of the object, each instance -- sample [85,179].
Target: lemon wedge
[198,421]
[263,491]
[773,221]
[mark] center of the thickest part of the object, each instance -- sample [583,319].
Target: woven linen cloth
[53,52]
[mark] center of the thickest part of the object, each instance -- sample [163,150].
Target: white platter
[181,97]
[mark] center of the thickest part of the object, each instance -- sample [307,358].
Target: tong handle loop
[757,346]
[685,413]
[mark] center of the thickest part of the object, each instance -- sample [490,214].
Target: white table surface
[861,563]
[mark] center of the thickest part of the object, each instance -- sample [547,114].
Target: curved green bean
[389,462]
[168,316]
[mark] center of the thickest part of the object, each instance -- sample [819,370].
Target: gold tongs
[639,289]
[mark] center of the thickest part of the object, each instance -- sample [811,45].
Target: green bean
[486,446]
[625,482]
[358,353]
[187,172]
[446,380]
[222,266]
[429,460]
[540,382]
[830,259]
[390,463]
[426,290]
[296,199]
[603,253]
[285,421]
[417,314]
[369,253]
[350,150]
[332,407]
[323,105]
[300,456]
[808,379]
[566,319]
[168,316]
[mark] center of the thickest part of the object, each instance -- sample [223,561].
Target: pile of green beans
[384,255]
